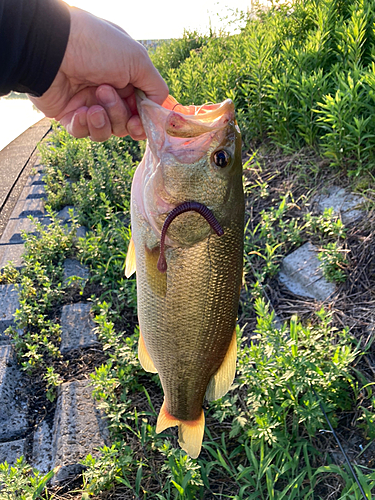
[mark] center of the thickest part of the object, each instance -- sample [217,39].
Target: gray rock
[42,448]
[343,203]
[13,401]
[77,327]
[9,452]
[301,274]
[79,429]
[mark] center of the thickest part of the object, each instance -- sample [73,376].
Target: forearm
[33,39]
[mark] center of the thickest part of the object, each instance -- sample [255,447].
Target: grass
[302,82]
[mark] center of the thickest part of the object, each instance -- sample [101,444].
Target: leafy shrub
[302,75]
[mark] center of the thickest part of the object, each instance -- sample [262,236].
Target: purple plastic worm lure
[187,206]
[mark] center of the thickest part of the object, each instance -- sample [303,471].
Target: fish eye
[221,158]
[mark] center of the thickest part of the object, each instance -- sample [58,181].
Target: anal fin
[144,357]
[221,381]
[190,432]
[130,266]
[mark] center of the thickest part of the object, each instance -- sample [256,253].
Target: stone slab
[81,232]
[300,272]
[79,429]
[77,327]
[343,203]
[73,267]
[42,448]
[9,303]
[14,229]
[9,452]
[38,180]
[64,215]
[34,207]
[12,253]
[13,401]
[36,192]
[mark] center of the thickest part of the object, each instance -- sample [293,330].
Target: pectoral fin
[190,433]
[144,357]
[221,381]
[130,267]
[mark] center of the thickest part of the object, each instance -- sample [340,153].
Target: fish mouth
[184,121]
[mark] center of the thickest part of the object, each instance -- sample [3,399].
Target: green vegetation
[302,79]
[301,74]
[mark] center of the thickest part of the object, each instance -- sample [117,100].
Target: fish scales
[187,315]
[198,278]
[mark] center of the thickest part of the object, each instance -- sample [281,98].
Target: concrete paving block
[77,327]
[73,267]
[22,225]
[34,207]
[301,274]
[38,179]
[13,231]
[9,303]
[343,203]
[13,400]
[12,253]
[36,192]
[80,233]
[64,215]
[9,452]
[42,448]
[79,428]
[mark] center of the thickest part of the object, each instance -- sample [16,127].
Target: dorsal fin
[130,266]
[221,381]
[190,432]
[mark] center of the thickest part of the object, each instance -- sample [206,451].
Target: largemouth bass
[187,220]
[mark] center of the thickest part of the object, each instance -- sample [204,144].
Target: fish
[187,225]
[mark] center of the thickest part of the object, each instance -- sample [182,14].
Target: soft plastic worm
[187,206]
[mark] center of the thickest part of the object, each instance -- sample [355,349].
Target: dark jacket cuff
[33,37]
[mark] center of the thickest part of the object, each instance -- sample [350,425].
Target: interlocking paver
[9,303]
[13,401]
[79,428]
[77,327]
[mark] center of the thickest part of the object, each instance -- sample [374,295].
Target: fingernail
[82,119]
[107,96]
[98,119]
[137,130]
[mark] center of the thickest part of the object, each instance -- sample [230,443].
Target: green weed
[21,482]
[333,262]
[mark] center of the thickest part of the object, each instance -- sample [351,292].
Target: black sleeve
[33,39]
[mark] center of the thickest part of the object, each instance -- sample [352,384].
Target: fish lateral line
[186,206]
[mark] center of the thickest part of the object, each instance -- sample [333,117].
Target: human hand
[93,91]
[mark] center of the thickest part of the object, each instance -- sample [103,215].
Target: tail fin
[190,432]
